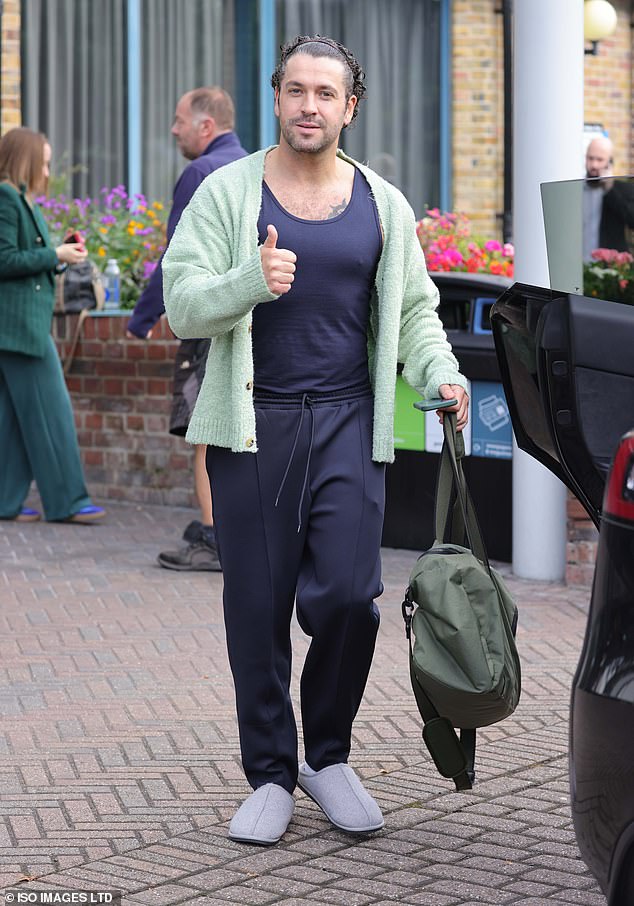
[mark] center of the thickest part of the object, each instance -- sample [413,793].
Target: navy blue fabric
[332,567]
[314,338]
[221,151]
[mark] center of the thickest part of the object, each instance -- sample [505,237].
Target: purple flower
[148,269]
[493,246]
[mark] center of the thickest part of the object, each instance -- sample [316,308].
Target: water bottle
[112,284]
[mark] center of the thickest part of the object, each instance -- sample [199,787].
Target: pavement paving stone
[545,891]
[342,897]
[426,898]
[286,886]
[467,892]
[119,757]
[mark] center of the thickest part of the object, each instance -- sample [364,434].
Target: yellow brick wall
[10,38]
[478,113]
[608,87]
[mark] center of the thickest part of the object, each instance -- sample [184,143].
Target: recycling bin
[465,304]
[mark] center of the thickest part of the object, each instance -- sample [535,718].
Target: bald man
[203,128]
[608,204]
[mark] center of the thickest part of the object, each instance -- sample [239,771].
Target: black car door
[567,364]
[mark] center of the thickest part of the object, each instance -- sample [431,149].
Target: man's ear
[209,126]
[276,102]
[352,103]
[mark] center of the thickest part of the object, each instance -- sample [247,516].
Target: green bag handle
[462,521]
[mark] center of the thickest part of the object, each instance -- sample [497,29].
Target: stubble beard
[325,138]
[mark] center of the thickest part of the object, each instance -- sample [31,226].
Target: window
[74,86]
[398,46]
[75,82]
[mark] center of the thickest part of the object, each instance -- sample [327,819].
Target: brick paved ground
[118,746]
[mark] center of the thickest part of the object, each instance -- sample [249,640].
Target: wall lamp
[599,22]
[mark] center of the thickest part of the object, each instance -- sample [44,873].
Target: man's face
[188,130]
[311,103]
[597,160]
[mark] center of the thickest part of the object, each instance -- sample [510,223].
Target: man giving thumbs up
[278,265]
[297,408]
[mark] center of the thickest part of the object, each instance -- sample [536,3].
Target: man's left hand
[455,391]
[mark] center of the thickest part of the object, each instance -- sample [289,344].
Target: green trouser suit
[37,436]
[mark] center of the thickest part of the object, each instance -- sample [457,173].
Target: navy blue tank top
[314,337]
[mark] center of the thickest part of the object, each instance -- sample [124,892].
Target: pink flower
[606,255]
[454,257]
[446,240]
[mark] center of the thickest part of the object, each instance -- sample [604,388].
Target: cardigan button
[249,442]
[249,385]
[250,328]
[37,287]
[38,239]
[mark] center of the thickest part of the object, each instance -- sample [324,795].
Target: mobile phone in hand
[436,403]
[74,238]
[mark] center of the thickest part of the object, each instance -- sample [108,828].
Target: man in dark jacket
[203,128]
[608,203]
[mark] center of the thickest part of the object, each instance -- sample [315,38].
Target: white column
[547,143]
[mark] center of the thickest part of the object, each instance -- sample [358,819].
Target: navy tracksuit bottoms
[300,521]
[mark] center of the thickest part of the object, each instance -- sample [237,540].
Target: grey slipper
[264,816]
[342,797]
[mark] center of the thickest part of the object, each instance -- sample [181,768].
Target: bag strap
[59,292]
[451,483]
[98,288]
[68,361]
[462,523]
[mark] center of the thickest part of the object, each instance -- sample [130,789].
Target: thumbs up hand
[278,264]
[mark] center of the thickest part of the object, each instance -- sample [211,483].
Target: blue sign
[491,431]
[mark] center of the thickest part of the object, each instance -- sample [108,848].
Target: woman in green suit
[37,429]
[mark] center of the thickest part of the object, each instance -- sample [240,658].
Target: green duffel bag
[460,621]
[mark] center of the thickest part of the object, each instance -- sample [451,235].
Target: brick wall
[608,87]
[581,548]
[121,392]
[10,60]
[478,113]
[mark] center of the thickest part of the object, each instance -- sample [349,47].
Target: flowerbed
[449,245]
[114,225]
[610,275]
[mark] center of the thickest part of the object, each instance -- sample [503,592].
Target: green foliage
[132,230]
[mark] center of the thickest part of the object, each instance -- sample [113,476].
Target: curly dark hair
[322,46]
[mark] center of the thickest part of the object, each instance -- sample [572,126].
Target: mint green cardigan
[213,279]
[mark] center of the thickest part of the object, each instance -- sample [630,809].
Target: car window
[589,225]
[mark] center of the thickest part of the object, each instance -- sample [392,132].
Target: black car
[567,364]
